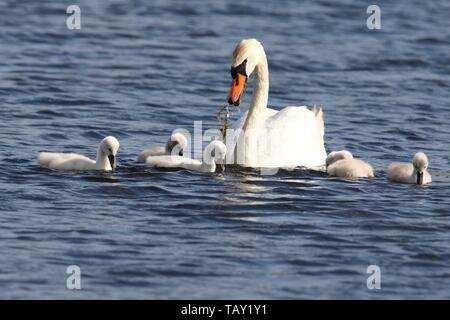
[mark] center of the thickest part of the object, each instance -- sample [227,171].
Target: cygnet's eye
[110,150]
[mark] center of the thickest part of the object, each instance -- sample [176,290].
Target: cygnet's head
[216,151]
[177,144]
[246,56]
[338,155]
[420,163]
[110,146]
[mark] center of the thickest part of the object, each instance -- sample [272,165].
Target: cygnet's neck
[102,161]
[209,167]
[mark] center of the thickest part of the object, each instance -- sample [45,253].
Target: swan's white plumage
[65,161]
[214,153]
[71,161]
[173,162]
[290,137]
[335,156]
[177,143]
[293,136]
[153,151]
[296,139]
[342,164]
[407,172]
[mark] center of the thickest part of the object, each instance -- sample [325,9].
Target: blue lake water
[139,69]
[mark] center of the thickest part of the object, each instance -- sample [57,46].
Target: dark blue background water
[139,69]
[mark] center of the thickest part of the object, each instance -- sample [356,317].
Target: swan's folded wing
[292,137]
[65,161]
[401,172]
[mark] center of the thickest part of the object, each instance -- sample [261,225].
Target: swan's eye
[233,72]
[239,69]
[110,150]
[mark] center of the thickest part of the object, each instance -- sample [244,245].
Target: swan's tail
[319,118]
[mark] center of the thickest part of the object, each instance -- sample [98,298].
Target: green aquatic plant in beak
[225,109]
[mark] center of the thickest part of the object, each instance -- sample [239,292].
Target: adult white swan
[106,158]
[293,136]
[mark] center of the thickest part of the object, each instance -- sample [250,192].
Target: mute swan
[176,144]
[293,136]
[411,173]
[106,158]
[342,164]
[213,157]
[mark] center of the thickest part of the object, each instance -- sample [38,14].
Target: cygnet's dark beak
[220,167]
[112,161]
[419,177]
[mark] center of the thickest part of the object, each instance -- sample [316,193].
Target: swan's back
[350,168]
[152,152]
[401,172]
[174,162]
[65,161]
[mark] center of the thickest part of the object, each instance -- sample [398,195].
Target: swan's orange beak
[237,89]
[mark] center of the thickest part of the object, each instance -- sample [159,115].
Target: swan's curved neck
[209,167]
[102,161]
[255,117]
